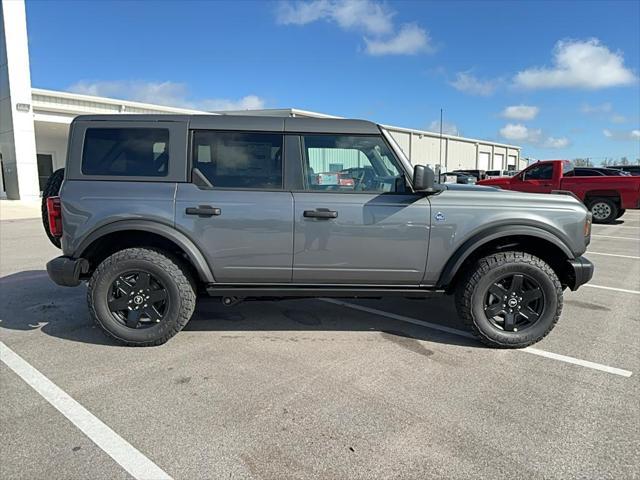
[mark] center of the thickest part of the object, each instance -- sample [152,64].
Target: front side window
[239,159]
[340,163]
[540,172]
[136,152]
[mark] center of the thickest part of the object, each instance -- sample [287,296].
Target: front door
[536,179]
[244,223]
[359,224]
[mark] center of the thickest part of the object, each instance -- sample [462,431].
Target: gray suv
[156,209]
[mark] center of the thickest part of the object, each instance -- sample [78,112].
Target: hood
[471,187]
[496,181]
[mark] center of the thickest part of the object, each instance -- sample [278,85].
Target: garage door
[483,160]
[498,159]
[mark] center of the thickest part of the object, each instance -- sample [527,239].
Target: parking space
[322,389]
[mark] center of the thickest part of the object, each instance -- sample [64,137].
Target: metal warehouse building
[34,123]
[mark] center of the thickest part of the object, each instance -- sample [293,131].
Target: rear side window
[135,152]
[239,159]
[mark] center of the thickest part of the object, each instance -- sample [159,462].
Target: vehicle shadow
[29,301]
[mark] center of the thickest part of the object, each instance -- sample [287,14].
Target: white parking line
[125,454]
[623,290]
[577,361]
[589,252]
[613,226]
[619,238]
[461,333]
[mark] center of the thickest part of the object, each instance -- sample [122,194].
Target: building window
[135,152]
[239,160]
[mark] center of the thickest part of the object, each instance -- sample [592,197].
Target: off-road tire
[605,203]
[473,287]
[51,189]
[179,287]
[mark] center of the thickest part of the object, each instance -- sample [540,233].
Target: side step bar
[317,291]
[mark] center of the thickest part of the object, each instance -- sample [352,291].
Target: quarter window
[238,159]
[136,152]
[350,164]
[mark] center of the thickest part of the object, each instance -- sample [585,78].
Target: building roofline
[452,137]
[265,111]
[114,101]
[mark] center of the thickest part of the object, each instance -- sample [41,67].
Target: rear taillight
[54,213]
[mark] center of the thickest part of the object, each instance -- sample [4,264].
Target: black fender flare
[193,252]
[492,233]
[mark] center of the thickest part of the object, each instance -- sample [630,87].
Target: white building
[34,123]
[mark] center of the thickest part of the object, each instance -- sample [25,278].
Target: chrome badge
[439,217]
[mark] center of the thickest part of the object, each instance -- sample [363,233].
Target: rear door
[243,220]
[356,220]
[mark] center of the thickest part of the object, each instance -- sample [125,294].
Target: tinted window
[350,164]
[587,172]
[239,160]
[540,172]
[139,152]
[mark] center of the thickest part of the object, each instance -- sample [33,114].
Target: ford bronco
[156,209]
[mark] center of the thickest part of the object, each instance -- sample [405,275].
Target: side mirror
[423,179]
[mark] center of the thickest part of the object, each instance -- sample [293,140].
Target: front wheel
[141,297]
[510,299]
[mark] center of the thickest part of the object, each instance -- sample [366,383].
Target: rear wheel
[51,189]
[604,210]
[620,213]
[141,297]
[510,299]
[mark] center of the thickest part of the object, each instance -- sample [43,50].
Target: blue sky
[568,70]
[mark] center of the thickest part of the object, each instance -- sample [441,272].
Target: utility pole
[440,163]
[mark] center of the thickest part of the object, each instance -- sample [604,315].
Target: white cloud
[552,142]
[622,135]
[584,64]
[533,136]
[411,39]
[603,110]
[520,112]
[447,128]
[617,118]
[163,93]
[373,18]
[367,15]
[467,83]
[600,108]
[517,131]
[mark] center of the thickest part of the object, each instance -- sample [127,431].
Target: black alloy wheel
[514,302]
[138,299]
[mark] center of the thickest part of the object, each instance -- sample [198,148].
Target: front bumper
[66,271]
[580,272]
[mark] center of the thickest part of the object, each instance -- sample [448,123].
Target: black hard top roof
[247,122]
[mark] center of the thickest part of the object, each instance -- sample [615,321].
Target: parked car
[462,178]
[478,174]
[632,169]
[500,173]
[607,197]
[596,172]
[154,209]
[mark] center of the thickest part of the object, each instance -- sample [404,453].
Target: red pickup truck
[606,197]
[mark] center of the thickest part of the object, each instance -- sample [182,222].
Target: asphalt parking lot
[319,389]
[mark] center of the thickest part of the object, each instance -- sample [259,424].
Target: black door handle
[320,213]
[203,211]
